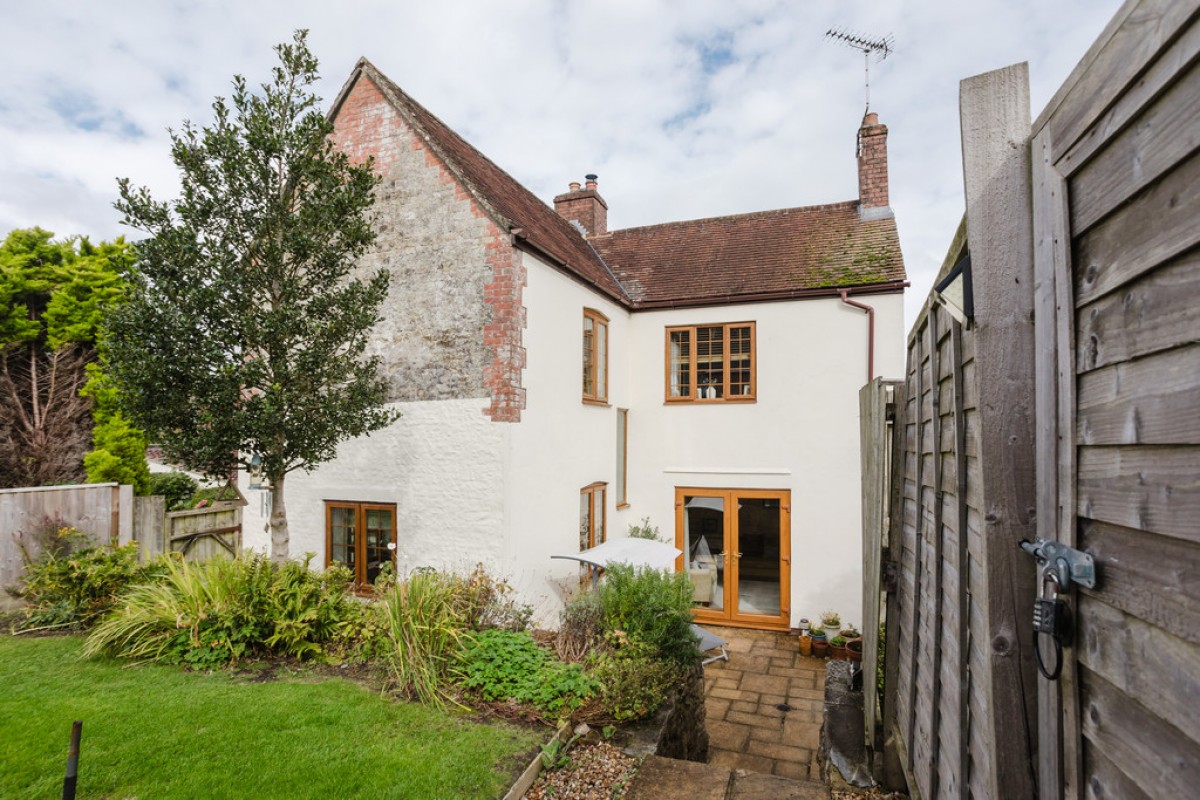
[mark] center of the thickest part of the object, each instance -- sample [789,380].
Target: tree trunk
[279,523]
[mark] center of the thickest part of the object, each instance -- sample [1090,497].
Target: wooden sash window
[595,356]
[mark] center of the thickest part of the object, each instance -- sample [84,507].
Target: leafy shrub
[219,611]
[653,607]
[176,487]
[69,585]
[630,682]
[509,665]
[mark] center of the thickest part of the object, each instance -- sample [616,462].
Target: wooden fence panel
[961,684]
[876,412]
[149,525]
[92,508]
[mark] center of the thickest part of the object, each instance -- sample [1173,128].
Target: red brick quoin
[502,378]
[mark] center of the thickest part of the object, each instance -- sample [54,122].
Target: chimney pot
[573,186]
[591,181]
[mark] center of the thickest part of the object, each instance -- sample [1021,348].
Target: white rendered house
[559,381]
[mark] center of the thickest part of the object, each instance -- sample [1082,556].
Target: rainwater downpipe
[845,295]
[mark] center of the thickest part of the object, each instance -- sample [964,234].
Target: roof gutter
[764,297]
[845,295]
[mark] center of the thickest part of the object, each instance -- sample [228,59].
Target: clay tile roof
[771,253]
[514,205]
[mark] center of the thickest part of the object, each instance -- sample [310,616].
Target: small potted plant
[854,649]
[820,645]
[830,620]
[837,647]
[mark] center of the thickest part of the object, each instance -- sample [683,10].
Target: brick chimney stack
[872,169]
[584,206]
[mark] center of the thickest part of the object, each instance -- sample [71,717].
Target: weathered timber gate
[1082,368]
[1117,256]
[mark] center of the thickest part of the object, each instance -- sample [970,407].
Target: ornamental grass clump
[426,626]
[217,612]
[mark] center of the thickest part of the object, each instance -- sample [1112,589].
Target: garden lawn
[159,732]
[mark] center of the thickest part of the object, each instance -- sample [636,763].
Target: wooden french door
[736,546]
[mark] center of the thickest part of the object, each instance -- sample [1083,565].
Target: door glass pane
[343,525]
[758,559]
[704,549]
[379,534]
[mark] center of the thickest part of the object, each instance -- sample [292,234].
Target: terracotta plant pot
[838,653]
[820,647]
[806,645]
[854,649]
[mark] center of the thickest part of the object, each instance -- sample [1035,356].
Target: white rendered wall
[801,434]
[561,444]
[441,463]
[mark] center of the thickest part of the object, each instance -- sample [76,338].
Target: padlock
[1051,615]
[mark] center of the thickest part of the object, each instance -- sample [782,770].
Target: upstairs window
[595,357]
[711,363]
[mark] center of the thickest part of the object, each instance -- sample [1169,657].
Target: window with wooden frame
[595,356]
[622,457]
[711,363]
[591,516]
[591,522]
[362,536]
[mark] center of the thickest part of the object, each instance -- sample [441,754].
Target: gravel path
[597,772]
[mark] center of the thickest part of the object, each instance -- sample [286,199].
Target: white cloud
[684,111]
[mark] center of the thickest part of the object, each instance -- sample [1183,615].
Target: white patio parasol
[632,551]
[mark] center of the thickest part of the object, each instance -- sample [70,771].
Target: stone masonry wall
[451,324]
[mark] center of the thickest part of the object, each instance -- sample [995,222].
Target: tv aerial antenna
[882,47]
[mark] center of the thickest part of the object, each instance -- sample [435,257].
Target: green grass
[158,732]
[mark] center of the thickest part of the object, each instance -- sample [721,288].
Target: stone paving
[746,728]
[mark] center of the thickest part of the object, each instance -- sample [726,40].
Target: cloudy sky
[684,109]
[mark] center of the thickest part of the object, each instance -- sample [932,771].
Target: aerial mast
[882,47]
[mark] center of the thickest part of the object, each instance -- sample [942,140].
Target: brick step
[668,779]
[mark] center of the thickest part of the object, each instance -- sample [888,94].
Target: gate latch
[1061,564]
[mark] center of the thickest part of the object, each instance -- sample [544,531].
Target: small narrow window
[707,363]
[595,356]
[622,456]
[591,522]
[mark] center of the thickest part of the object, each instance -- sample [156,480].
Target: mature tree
[53,297]
[246,332]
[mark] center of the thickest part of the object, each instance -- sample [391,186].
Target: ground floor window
[591,521]
[362,536]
